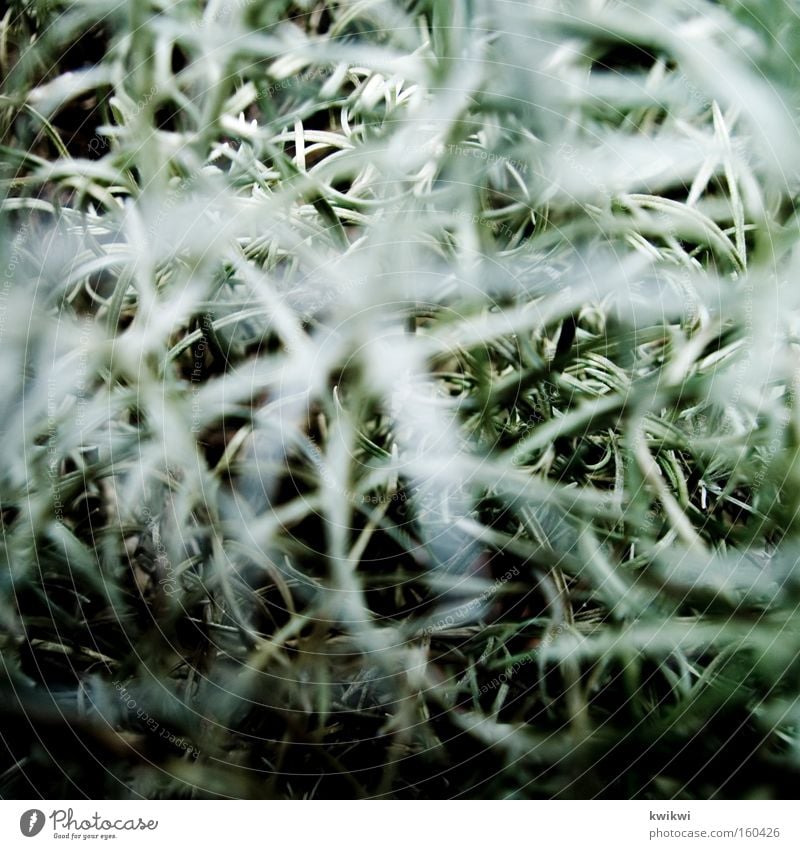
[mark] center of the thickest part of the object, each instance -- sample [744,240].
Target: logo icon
[31,822]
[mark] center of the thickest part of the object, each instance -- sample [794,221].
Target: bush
[399,400]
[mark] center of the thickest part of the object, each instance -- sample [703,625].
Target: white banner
[399,825]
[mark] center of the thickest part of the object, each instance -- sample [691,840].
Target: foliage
[399,399]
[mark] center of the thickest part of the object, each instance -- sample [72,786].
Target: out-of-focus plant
[399,399]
